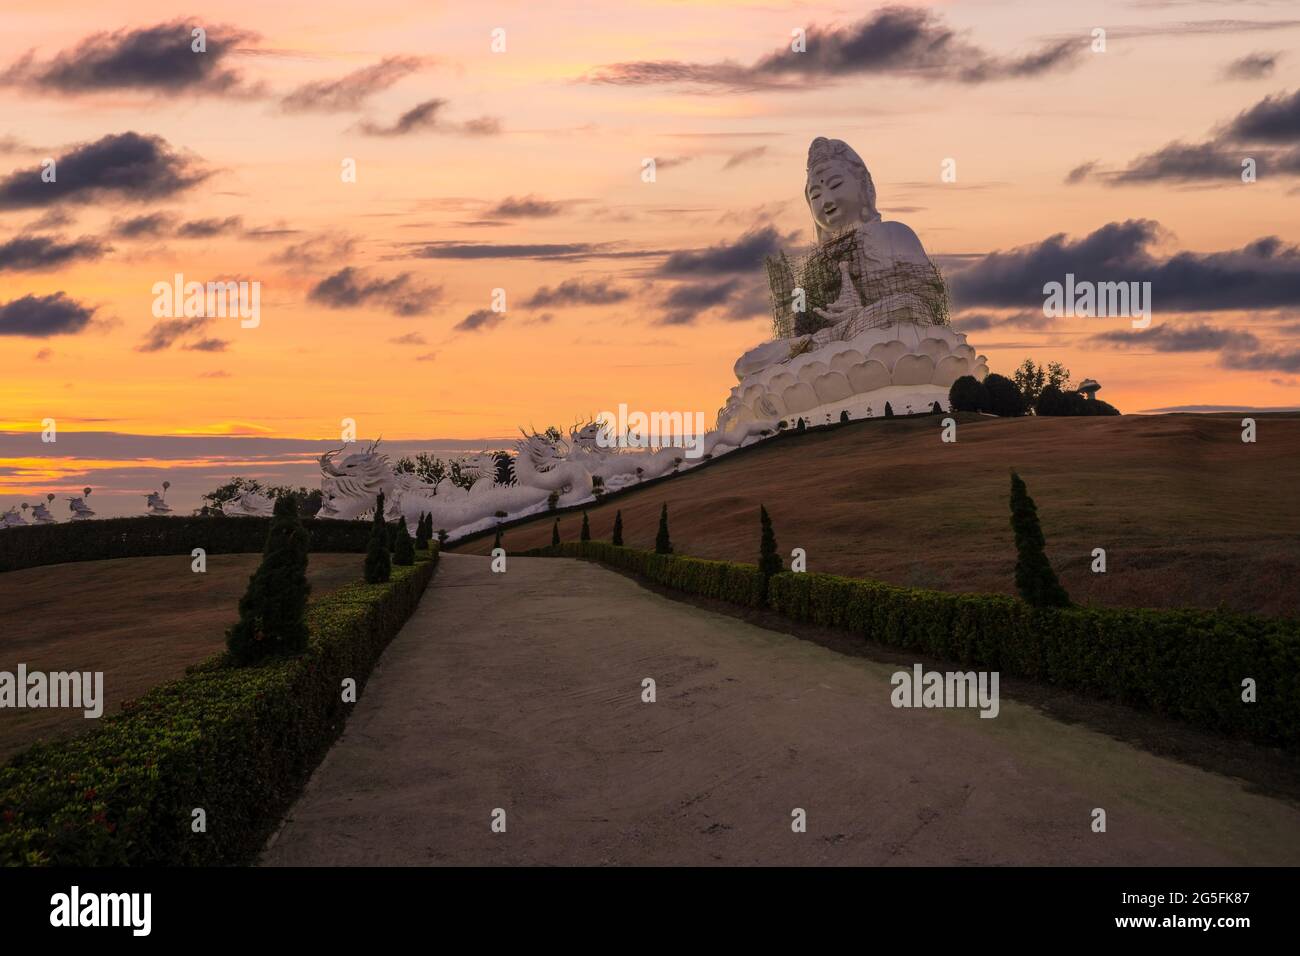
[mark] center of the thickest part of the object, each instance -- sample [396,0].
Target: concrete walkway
[522,691]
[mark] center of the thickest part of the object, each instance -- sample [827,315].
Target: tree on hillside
[1035,579]
[273,611]
[585,534]
[403,552]
[555,533]
[496,542]
[663,544]
[889,410]
[379,567]
[1004,397]
[1031,379]
[968,394]
[769,560]
[618,529]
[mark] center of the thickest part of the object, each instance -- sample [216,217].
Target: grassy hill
[1189,515]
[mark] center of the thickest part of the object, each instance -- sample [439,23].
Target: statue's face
[835,196]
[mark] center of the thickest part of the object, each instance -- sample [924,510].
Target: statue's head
[839,189]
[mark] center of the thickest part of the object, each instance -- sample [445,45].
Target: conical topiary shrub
[555,533]
[379,567]
[769,561]
[403,552]
[422,532]
[496,542]
[889,410]
[273,611]
[663,544]
[585,533]
[618,528]
[1035,579]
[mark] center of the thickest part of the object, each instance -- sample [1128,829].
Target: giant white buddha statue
[862,320]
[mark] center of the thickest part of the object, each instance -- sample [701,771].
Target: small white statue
[156,503]
[41,512]
[80,510]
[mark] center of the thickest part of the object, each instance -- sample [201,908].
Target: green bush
[272,612]
[239,742]
[585,533]
[378,563]
[769,561]
[404,551]
[738,583]
[968,394]
[1035,580]
[1187,664]
[663,544]
[145,537]
[618,529]
[1005,398]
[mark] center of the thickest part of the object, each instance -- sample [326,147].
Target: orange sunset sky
[522,170]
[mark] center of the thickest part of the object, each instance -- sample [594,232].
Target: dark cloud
[486,250]
[894,41]
[410,338]
[421,117]
[43,316]
[35,253]
[1261,275]
[158,59]
[207,228]
[746,254]
[123,166]
[424,117]
[526,207]
[1252,66]
[479,320]
[1183,162]
[1169,337]
[326,250]
[52,219]
[137,227]
[577,292]
[207,345]
[1081,172]
[744,156]
[1275,119]
[163,335]
[687,301]
[1264,360]
[349,288]
[668,162]
[351,91]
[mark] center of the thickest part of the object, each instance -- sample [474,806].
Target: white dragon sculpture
[571,470]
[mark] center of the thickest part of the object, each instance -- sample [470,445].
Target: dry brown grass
[1189,515]
[141,621]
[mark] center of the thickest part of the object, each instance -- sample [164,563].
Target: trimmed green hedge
[725,580]
[143,537]
[237,742]
[1185,664]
